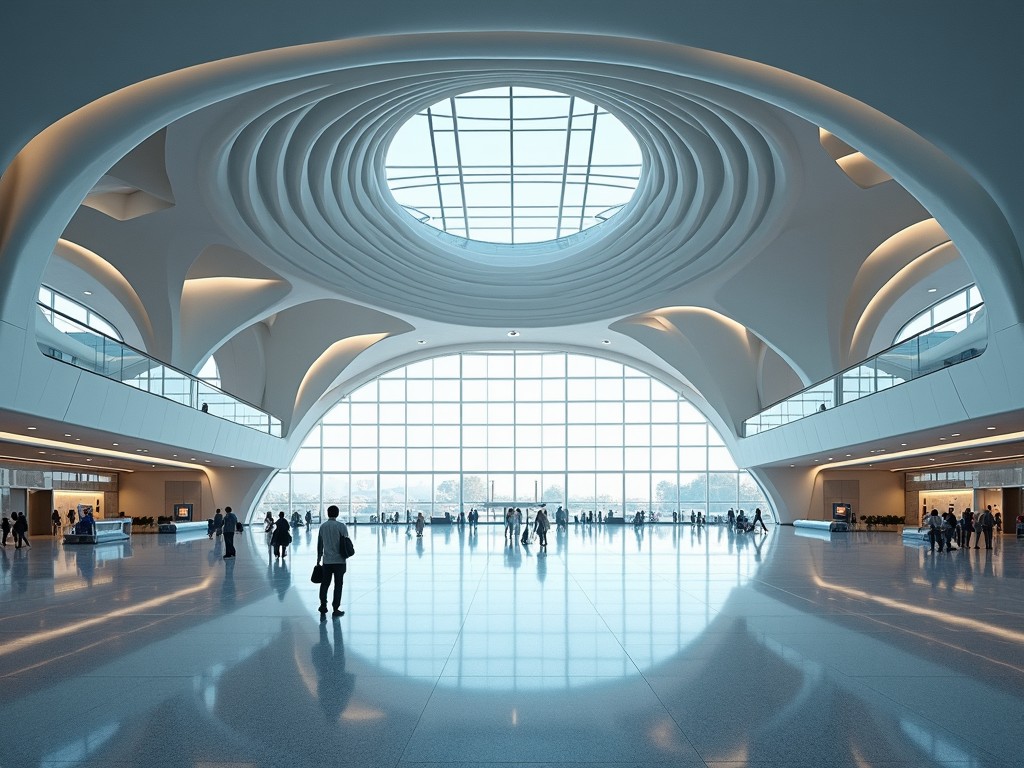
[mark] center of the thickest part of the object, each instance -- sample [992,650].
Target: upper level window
[210,373]
[56,307]
[513,165]
[942,311]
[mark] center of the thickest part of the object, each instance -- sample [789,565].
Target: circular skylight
[513,165]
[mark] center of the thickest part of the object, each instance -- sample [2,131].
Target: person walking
[21,529]
[541,526]
[281,538]
[329,550]
[55,519]
[218,522]
[420,522]
[517,523]
[230,523]
[759,521]
[934,523]
[949,529]
[987,521]
[509,523]
[5,530]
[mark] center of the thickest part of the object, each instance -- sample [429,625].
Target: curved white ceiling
[299,173]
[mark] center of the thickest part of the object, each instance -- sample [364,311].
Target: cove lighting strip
[42,442]
[912,453]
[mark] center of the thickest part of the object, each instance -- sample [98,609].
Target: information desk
[198,525]
[116,529]
[916,534]
[832,526]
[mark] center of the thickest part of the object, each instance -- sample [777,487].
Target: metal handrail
[267,423]
[837,378]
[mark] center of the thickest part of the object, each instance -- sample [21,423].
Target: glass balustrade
[70,341]
[954,340]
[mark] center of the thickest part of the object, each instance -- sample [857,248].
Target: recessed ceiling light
[138,450]
[115,443]
[932,290]
[513,333]
[43,453]
[422,341]
[903,444]
[931,459]
[67,435]
[174,455]
[32,429]
[942,438]
[232,466]
[606,341]
[193,458]
[849,455]
[207,461]
[830,458]
[955,434]
[792,465]
[988,451]
[88,459]
[78,439]
[990,428]
[87,293]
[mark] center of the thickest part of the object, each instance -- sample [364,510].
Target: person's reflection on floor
[419,546]
[227,588]
[542,566]
[334,685]
[214,555]
[281,578]
[5,564]
[19,572]
[85,562]
[514,556]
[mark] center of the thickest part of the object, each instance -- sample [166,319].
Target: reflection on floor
[664,646]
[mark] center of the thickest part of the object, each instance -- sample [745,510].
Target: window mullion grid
[565,165]
[437,173]
[590,159]
[462,171]
[511,167]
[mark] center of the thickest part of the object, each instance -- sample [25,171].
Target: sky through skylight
[513,165]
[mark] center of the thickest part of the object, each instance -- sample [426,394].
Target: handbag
[318,574]
[347,550]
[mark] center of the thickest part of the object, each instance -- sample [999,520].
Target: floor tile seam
[447,661]
[608,628]
[668,712]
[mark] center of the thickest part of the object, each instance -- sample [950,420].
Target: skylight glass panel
[513,165]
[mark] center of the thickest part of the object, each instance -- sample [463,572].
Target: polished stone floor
[616,647]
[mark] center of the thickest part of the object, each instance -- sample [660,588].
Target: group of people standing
[946,529]
[225,524]
[514,524]
[18,526]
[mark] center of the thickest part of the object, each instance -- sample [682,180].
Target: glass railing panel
[92,351]
[930,350]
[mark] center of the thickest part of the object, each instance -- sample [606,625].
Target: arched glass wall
[493,429]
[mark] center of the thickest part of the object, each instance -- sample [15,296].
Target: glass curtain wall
[515,428]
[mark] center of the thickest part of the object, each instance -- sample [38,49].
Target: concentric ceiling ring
[300,172]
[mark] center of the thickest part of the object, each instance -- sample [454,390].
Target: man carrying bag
[332,544]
